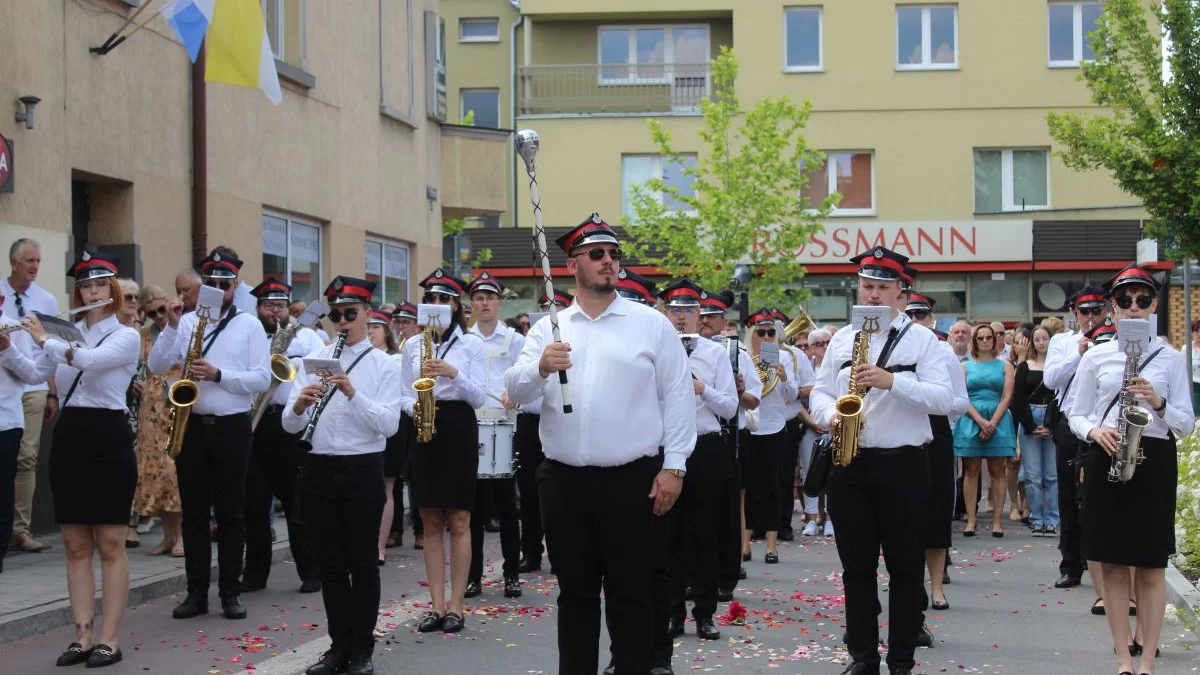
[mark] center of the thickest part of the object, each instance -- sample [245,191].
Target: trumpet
[5,330]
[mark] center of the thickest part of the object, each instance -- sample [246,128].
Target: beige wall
[326,154]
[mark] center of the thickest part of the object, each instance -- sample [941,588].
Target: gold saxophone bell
[282,368]
[183,393]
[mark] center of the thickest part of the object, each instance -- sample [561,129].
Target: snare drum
[496,448]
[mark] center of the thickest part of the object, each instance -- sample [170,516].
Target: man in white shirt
[233,365]
[404,323]
[604,478]
[342,476]
[960,340]
[880,498]
[501,346]
[39,401]
[1062,359]
[17,369]
[275,458]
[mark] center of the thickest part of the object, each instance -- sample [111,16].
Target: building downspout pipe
[199,160]
[512,104]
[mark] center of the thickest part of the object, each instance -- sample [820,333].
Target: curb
[1183,595]
[43,618]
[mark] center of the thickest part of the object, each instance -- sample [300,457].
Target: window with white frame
[479,30]
[637,169]
[484,102]
[926,37]
[292,252]
[850,174]
[386,263]
[1012,180]
[802,39]
[285,30]
[1068,26]
[651,54]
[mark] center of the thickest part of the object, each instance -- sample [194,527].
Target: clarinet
[306,437]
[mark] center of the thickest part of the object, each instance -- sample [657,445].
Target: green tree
[455,226]
[745,205]
[1149,138]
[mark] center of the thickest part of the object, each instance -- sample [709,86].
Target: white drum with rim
[496,448]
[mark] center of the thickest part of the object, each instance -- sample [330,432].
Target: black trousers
[729,518]
[787,472]
[504,495]
[659,557]
[274,462]
[599,525]
[212,478]
[528,446]
[406,428]
[343,502]
[1070,533]
[693,529]
[10,447]
[880,501]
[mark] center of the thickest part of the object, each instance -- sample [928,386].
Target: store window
[292,252]
[386,263]
[1051,292]
[949,294]
[999,296]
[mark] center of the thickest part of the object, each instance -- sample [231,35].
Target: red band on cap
[1135,273]
[586,230]
[349,290]
[712,302]
[96,262]
[1091,297]
[225,264]
[890,263]
[684,292]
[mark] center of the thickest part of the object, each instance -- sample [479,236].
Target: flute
[5,330]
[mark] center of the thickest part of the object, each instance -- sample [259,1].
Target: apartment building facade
[932,115]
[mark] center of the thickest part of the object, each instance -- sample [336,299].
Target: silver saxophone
[282,369]
[1132,421]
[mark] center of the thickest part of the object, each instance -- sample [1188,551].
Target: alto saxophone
[1132,421]
[849,406]
[282,369]
[184,393]
[425,407]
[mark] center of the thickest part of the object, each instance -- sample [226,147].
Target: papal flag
[235,33]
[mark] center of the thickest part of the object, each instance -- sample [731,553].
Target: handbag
[817,478]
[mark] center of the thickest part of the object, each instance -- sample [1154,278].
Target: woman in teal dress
[986,431]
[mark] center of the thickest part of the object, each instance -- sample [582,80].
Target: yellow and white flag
[239,51]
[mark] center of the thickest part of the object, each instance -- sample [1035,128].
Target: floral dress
[158,488]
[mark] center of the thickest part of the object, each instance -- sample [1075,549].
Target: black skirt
[93,469]
[940,456]
[444,469]
[1131,523]
[395,453]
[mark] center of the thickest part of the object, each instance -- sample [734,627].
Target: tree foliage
[1149,138]
[745,205]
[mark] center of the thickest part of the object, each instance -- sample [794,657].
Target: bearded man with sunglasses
[616,460]
[1062,361]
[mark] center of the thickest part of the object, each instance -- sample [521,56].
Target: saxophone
[425,407]
[1132,421]
[282,369]
[849,406]
[184,393]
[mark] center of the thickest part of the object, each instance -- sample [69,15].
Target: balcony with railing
[613,89]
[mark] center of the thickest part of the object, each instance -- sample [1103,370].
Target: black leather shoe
[771,558]
[925,637]
[861,668]
[474,588]
[250,586]
[689,594]
[311,586]
[529,565]
[194,604]
[707,630]
[747,556]
[103,655]
[662,670]
[333,662]
[901,671]
[360,663]
[453,623]
[74,655]
[492,525]
[724,594]
[787,535]
[232,608]
[512,587]
[742,573]
[944,604]
[430,624]
[675,627]
[1066,581]
[611,669]
[757,535]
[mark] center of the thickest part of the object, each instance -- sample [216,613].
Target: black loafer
[1067,581]
[787,535]
[194,604]
[707,630]
[251,586]
[431,623]
[925,637]
[512,587]
[1097,608]
[661,670]
[771,558]
[333,662]
[724,594]
[529,565]
[611,669]
[311,586]
[675,627]
[473,589]
[74,655]
[232,608]
[747,556]
[944,604]
[742,573]
[103,655]
[861,668]
[360,663]
[453,623]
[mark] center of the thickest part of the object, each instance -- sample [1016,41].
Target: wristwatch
[678,473]
[1163,406]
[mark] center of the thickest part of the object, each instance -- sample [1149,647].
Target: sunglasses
[1093,311]
[335,315]
[130,297]
[156,312]
[436,299]
[223,284]
[918,314]
[981,338]
[1126,301]
[765,332]
[822,344]
[597,254]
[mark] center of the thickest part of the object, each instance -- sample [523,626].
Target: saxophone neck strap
[449,345]
[212,338]
[75,382]
[1117,398]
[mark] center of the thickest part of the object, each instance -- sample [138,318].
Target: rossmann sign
[945,241]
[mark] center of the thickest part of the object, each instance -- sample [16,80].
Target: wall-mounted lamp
[26,115]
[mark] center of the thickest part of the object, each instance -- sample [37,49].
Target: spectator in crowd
[523,323]
[1030,400]
[960,340]
[1053,325]
[1002,340]
[1196,367]
[130,315]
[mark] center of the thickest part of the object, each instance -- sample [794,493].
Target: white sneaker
[829,528]
[810,529]
[144,528]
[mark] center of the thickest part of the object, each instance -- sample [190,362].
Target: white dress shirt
[629,383]
[802,375]
[17,369]
[958,381]
[498,359]
[241,352]
[35,298]
[773,408]
[898,416]
[305,343]
[107,369]
[356,426]
[1062,360]
[1101,371]
[709,362]
[749,376]
[464,351]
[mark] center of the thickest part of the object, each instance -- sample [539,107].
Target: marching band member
[881,496]
[527,444]
[17,369]
[798,424]
[1062,361]
[275,457]
[763,457]
[93,470]
[444,468]
[635,287]
[1131,524]
[604,479]
[693,532]
[501,345]
[395,452]
[341,480]
[562,300]
[404,324]
[233,366]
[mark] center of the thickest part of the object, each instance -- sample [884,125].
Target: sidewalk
[33,587]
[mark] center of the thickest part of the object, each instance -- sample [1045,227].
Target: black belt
[640,460]
[213,419]
[274,409]
[709,436]
[532,417]
[362,459]
[883,452]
